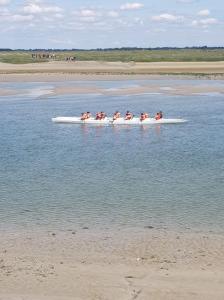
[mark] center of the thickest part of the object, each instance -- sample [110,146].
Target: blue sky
[117,23]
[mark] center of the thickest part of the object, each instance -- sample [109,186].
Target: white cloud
[89,20]
[167,18]
[138,20]
[205,22]
[4,2]
[186,1]
[113,14]
[88,13]
[204,13]
[209,21]
[20,18]
[59,16]
[34,8]
[159,30]
[62,42]
[4,11]
[131,6]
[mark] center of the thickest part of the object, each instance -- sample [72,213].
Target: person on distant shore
[128,115]
[144,116]
[116,115]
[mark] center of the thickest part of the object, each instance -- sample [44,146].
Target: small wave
[208,94]
[167,88]
[38,92]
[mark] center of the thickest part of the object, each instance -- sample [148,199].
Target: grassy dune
[184,55]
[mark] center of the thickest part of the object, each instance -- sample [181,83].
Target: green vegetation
[158,55]
[17,57]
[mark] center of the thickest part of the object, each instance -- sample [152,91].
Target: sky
[86,24]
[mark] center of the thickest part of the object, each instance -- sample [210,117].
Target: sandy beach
[129,264]
[60,84]
[114,71]
[115,68]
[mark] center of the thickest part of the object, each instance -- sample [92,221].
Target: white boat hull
[120,121]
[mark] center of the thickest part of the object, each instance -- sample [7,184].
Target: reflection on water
[99,129]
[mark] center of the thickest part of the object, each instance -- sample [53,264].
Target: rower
[159,115]
[116,115]
[144,116]
[128,115]
[83,116]
[102,115]
[98,116]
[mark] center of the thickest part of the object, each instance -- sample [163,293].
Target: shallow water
[69,176]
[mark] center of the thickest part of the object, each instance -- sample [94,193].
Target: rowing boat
[119,121]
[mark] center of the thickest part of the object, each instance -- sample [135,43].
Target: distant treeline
[118,49]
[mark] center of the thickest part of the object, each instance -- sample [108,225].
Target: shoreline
[60,77]
[84,264]
[56,85]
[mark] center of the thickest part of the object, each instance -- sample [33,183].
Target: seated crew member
[116,115]
[103,115]
[128,115]
[144,116]
[98,116]
[83,116]
[88,115]
[161,114]
[158,116]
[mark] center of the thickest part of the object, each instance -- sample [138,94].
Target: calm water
[67,176]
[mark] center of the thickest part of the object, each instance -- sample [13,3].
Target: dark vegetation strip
[123,55]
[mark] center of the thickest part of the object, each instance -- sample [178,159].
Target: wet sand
[101,71]
[141,87]
[127,264]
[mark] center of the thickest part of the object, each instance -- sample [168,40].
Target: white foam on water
[112,89]
[166,88]
[208,94]
[143,93]
[37,92]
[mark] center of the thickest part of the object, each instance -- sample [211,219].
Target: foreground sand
[129,264]
[115,68]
